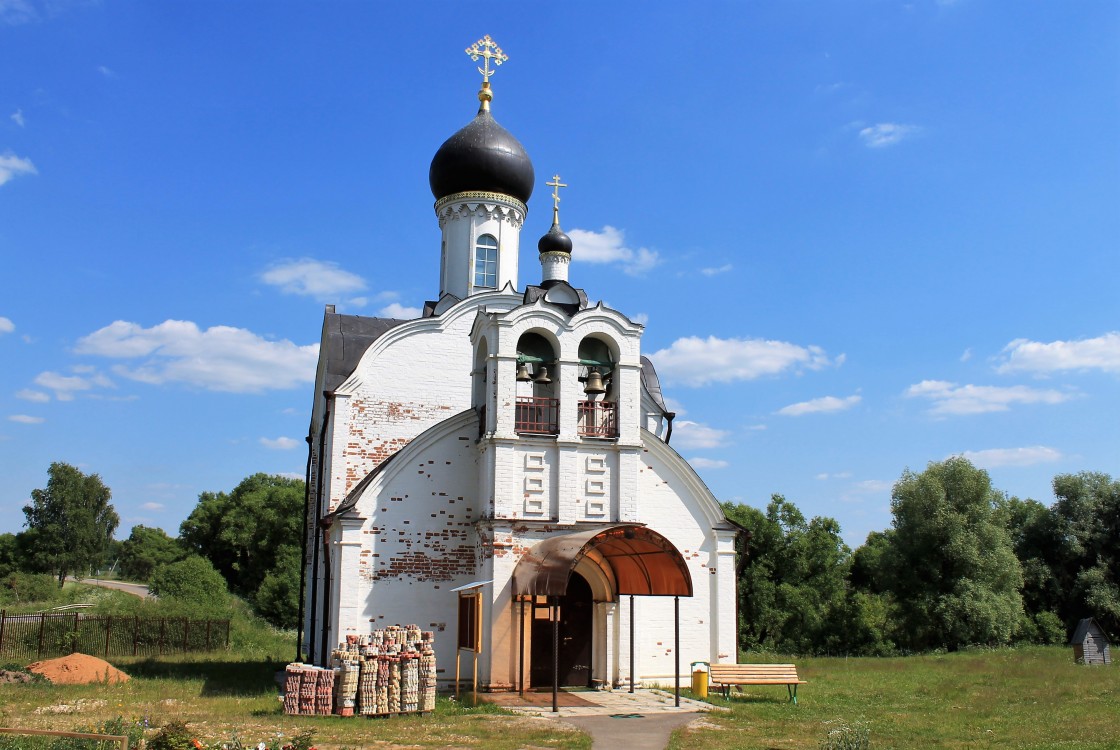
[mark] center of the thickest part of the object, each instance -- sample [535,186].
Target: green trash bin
[700,674]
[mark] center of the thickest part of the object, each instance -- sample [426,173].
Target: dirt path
[136,589]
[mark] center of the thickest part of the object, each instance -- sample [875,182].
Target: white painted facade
[423,476]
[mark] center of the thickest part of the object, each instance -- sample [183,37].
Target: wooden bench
[726,675]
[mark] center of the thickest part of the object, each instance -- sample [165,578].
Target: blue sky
[863,235]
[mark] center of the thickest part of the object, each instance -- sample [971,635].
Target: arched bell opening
[598,409]
[538,403]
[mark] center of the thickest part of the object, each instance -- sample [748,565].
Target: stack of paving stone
[427,671]
[345,662]
[308,690]
[387,672]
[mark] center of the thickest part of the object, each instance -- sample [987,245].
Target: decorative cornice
[481,196]
[479,209]
[557,256]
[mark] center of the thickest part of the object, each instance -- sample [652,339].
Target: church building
[499,470]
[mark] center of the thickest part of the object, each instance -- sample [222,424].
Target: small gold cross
[556,185]
[488,50]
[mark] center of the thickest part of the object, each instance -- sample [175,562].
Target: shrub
[193,581]
[844,736]
[29,587]
[172,736]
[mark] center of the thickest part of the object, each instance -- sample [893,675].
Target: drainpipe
[329,397]
[669,417]
[303,550]
[326,592]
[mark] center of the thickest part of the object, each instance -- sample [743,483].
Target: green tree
[1038,545]
[277,600]
[70,523]
[252,535]
[145,550]
[9,554]
[193,581]
[1087,514]
[792,579]
[950,563]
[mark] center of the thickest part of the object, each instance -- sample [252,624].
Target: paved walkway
[642,720]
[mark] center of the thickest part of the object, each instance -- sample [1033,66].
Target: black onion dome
[483,156]
[555,241]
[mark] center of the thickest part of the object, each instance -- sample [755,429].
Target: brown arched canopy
[636,559]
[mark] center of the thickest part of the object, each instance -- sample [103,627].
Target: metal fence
[25,637]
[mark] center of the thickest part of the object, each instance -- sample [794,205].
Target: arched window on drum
[486,262]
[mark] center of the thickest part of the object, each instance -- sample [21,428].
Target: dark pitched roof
[1083,628]
[653,385]
[345,340]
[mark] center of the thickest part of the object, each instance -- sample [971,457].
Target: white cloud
[608,246]
[707,463]
[1028,456]
[640,318]
[14,12]
[886,134]
[36,396]
[313,278]
[17,118]
[220,358]
[967,355]
[716,271]
[819,405]
[687,434]
[1100,353]
[25,419]
[6,325]
[14,166]
[950,398]
[280,443]
[757,427]
[106,71]
[153,506]
[400,312]
[65,386]
[839,475]
[695,361]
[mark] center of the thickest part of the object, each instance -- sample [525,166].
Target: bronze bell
[594,383]
[542,376]
[523,375]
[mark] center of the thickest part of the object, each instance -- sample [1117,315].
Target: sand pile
[77,669]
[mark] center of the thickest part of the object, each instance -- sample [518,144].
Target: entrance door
[575,639]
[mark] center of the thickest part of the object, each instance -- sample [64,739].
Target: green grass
[1030,698]
[228,694]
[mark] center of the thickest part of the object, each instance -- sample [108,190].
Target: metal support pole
[521,654]
[555,654]
[631,643]
[677,647]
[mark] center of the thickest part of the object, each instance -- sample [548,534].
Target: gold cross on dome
[488,50]
[556,185]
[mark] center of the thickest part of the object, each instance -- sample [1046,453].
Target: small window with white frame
[486,262]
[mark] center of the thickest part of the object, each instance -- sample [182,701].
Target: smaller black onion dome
[482,156]
[555,241]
